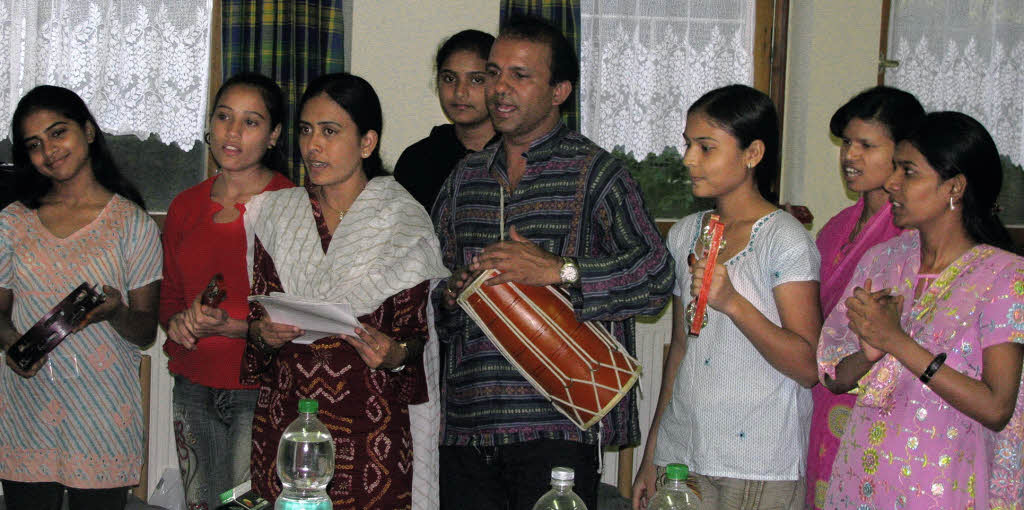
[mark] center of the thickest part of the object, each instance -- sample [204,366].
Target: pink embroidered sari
[839,258]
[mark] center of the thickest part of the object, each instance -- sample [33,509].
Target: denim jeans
[213,433]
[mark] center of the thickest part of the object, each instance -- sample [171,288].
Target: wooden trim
[216,69]
[625,475]
[771,38]
[764,13]
[883,39]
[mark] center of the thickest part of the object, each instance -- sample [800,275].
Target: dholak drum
[578,366]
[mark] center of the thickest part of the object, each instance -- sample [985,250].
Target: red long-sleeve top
[195,249]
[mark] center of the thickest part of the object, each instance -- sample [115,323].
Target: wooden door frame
[771,39]
[883,39]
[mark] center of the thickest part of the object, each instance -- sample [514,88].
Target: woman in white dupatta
[352,235]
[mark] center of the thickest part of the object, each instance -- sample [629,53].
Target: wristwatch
[570,271]
[404,345]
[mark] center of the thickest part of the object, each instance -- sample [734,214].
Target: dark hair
[747,114]
[30,185]
[898,110]
[564,64]
[954,143]
[273,101]
[473,41]
[354,95]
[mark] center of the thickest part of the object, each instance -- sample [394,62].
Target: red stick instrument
[712,240]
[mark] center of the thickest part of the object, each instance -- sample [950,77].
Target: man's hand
[519,260]
[458,281]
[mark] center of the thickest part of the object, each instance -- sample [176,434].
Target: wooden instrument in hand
[712,240]
[578,366]
[55,326]
[214,292]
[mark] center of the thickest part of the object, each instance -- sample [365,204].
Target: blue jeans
[213,432]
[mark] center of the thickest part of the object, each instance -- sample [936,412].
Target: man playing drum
[544,206]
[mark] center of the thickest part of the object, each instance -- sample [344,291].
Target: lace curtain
[964,55]
[645,61]
[140,65]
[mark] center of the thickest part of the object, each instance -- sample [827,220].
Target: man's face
[520,98]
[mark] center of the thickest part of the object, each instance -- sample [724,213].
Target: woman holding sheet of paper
[354,236]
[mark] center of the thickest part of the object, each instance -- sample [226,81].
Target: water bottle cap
[308,405]
[563,474]
[677,471]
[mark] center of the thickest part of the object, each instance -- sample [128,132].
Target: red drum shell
[578,366]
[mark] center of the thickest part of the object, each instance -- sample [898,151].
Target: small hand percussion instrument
[55,326]
[711,239]
[578,366]
[214,292]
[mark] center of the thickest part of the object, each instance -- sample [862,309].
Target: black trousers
[513,477]
[50,496]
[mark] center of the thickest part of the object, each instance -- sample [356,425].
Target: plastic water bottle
[675,494]
[305,462]
[561,496]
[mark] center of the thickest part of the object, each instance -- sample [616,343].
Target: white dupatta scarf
[385,244]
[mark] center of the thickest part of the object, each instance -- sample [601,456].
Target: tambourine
[713,242]
[55,326]
[214,293]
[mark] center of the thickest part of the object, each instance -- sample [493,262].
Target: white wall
[393,46]
[833,54]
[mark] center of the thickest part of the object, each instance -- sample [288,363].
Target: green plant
[665,183]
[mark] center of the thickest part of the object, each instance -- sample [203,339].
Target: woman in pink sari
[868,126]
[930,328]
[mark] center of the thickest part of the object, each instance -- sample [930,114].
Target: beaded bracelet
[933,367]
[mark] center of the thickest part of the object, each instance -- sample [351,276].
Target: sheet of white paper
[317,318]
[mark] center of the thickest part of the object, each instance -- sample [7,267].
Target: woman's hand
[272,334]
[197,321]
[106,311]
[644,485]
[722,294]
[32,371]
[875,319]
[377,349]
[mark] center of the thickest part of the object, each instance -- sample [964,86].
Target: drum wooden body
[580,367]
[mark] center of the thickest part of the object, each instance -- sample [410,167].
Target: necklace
[324,202]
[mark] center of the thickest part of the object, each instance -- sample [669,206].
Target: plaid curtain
[564,14]
[291,41]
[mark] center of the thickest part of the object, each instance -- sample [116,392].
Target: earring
[270,146]
[951,206]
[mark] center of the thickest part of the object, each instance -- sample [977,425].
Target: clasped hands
[518,259]
[875,318]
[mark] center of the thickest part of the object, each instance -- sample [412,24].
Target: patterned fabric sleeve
[264,281]
[6,267]
[143,255]
[1002,310]
[408,321]
[636,276]
[793,256]
[837,341]
[446,322]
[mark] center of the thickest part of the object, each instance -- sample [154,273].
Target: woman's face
[866,155]
[330,143]
[240,130]
[714,158]
[57,146]
[460,88]
[918,193]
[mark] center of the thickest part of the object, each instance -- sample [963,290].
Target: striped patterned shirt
[574,199]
